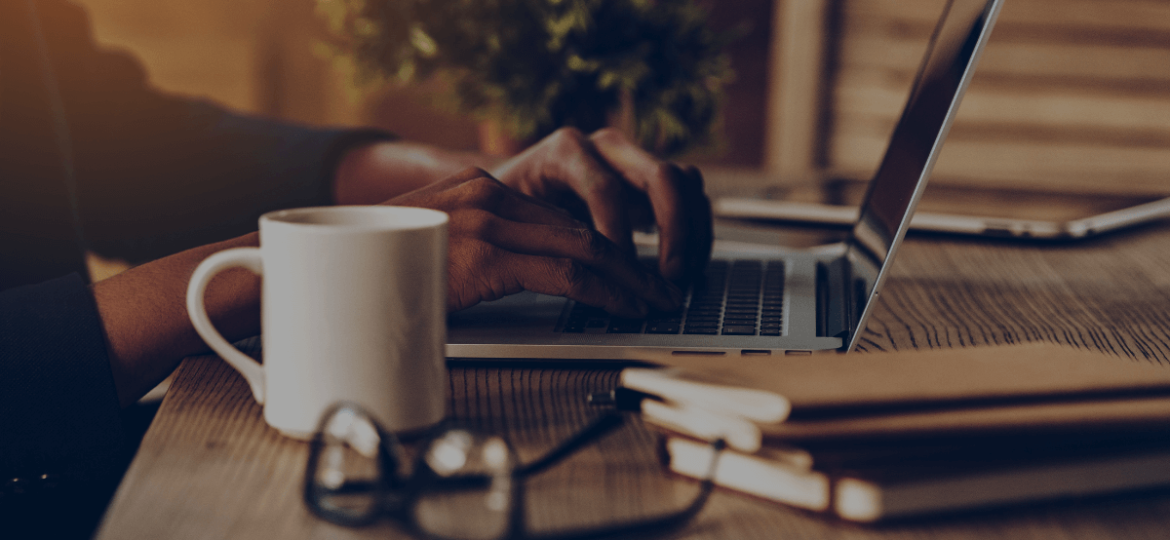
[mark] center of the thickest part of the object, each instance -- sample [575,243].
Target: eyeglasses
[464,485]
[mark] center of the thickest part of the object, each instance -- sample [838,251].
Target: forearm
[144,314]
[143,310]
[379,172]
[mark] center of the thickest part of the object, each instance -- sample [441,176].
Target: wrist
[144,316]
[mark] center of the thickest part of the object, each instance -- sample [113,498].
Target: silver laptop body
[827,292]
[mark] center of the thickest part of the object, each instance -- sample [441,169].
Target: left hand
[607,178]
[501,241]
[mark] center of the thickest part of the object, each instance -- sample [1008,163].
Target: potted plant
[532,66]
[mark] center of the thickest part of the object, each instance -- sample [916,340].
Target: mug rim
[425,218]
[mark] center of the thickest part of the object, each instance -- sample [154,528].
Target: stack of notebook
[891,435]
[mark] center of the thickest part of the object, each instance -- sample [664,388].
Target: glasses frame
[395,497]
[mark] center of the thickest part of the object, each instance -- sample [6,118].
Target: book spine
[775,481]
[866,500]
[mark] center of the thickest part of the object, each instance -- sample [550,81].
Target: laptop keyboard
[740,297]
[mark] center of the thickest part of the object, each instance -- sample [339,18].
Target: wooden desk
[210,468]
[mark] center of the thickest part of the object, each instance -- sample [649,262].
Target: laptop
[771,300]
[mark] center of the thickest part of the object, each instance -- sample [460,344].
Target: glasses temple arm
[651,526]
[598,429]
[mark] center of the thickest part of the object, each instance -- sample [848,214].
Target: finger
[528,209]
[583,245]
[475,188]
[602,189]
[571,279]
[490,194]
[681,209]
[561,277]
[702,231]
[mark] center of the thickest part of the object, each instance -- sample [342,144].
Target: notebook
[969,393]
[887,483]
[768,300]
[898,434]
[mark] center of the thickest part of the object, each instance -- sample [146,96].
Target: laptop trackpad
[526,310]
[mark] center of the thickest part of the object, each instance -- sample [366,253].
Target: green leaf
[536,65]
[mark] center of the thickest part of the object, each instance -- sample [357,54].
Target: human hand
[501,241]
[607,178]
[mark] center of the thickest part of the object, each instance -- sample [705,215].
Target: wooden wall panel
[796,89]
[1070,96]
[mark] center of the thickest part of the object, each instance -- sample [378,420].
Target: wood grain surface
[210,468]
[1111,293]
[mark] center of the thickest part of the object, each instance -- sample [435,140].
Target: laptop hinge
[835,303]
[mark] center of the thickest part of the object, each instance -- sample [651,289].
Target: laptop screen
[889,202]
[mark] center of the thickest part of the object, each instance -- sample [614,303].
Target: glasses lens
[347,473]
[471,494]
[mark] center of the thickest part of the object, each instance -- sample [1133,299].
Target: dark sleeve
[60,409]
[159,173]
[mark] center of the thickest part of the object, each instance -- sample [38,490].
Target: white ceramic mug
[353,307]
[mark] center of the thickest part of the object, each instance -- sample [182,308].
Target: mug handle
[248,258]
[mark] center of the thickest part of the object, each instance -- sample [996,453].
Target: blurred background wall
[1071,95]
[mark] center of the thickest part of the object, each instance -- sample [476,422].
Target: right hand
[501,241]
[620,187]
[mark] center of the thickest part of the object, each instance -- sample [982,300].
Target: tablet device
[972,211]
